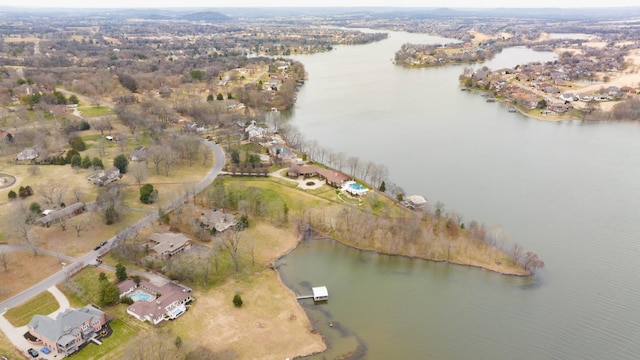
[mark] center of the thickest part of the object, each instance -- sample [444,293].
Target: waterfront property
[319,293]
[69,330]
[354,189]
[155,303]
[332,177]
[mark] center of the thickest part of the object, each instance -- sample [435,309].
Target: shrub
[77,144]
[12,195]
[148,195]
[237,301]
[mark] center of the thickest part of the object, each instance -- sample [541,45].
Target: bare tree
[353,162]
[79,224]
[515,253]
[77,193]
[4,260]
[156,154]
[230,242]
[52,191]
[20,220]
[532,262]
[139,171]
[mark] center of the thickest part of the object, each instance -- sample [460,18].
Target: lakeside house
[69,330]
[166,245]
[415,202]
[54,216]
[332,177]
[159,303]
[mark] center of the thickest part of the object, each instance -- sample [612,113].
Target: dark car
[103,243]
[33,353]
[97,247]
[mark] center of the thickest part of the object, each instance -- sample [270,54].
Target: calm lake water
[569,191]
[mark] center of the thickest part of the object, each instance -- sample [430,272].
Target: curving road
[83,261]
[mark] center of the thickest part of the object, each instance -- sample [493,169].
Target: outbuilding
[320,293]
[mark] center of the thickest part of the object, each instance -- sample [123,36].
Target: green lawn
[43,304]
[95,111]
[111,347]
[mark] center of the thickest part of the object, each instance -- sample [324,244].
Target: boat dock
[320,293]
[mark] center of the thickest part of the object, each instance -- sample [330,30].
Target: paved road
[83,261]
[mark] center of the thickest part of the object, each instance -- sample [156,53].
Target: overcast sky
[317,3]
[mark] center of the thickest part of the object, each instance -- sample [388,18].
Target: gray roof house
[29,153]
[139,153]
[168,244]
[69,330]
[54,216]
[104,177]
[218,220]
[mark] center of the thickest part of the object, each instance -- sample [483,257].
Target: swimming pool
[355,188]
[140,295]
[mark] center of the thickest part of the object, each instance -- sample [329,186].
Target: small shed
[320,293]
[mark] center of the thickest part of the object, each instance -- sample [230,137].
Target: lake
[569,191]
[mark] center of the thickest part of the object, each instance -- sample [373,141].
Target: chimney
[170,245]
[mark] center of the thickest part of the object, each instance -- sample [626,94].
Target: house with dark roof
[69,330]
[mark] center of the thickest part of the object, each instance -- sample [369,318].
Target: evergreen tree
[121,163]
[121,272]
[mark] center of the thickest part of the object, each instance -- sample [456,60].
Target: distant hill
[206,16]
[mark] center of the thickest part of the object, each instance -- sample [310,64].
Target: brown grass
[25,270]
[270,324]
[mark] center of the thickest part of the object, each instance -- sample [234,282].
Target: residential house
[416,202]
[105,177]
[52,217]
[139,153]
[567,97]
[218,220]
[169,301]
[30,153]
[332,177]
[69,330]
[281,152]
[166,245]
[255,131]
[5,135]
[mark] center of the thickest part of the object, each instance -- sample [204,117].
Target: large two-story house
[69,330]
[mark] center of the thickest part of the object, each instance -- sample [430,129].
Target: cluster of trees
[23,192]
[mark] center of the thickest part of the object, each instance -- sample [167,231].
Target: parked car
[103,243]
[97,247]
[45,350]
[33,353]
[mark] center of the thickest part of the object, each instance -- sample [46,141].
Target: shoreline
[480,267]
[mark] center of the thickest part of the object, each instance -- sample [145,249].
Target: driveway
[15,334]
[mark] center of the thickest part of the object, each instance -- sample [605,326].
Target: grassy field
[95,111]
[7,349]
[44,303]
[25,269]
[112,347]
